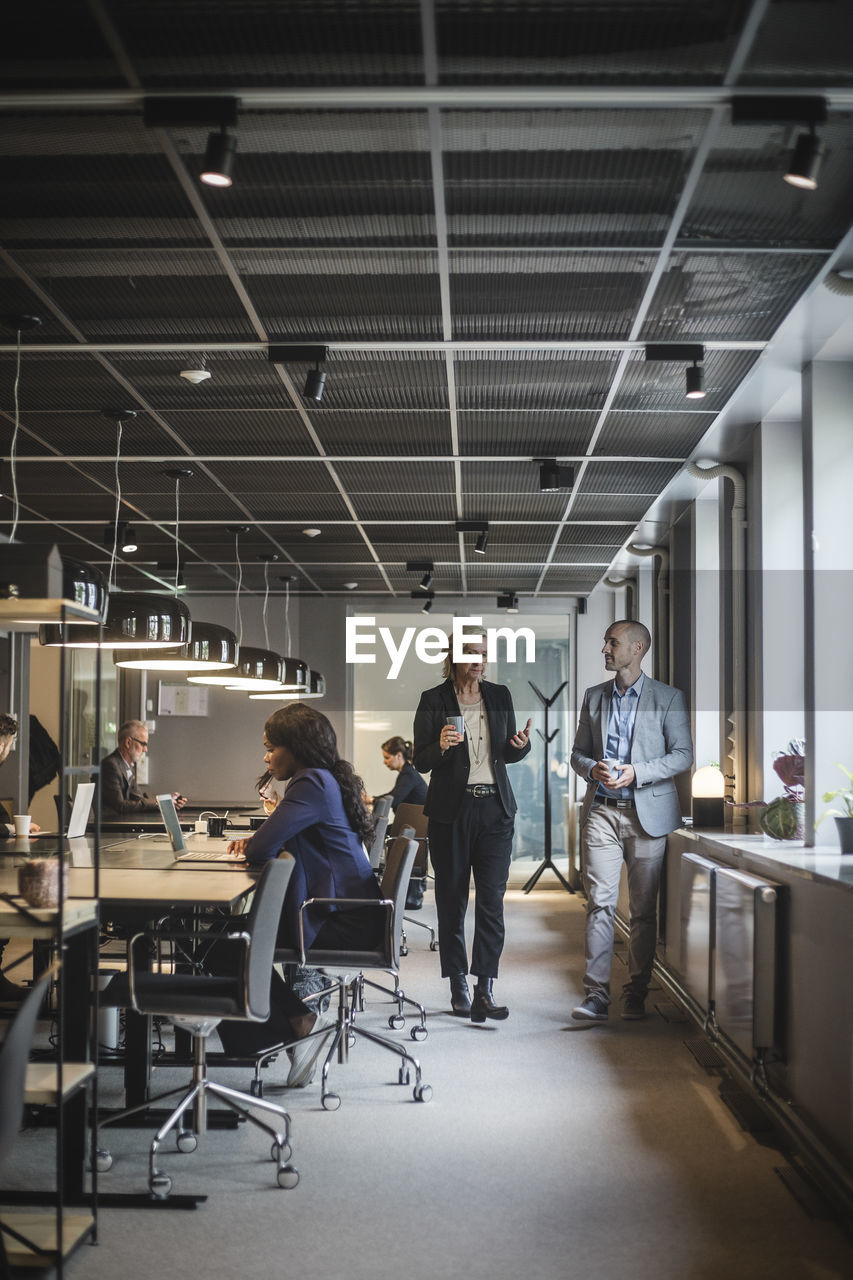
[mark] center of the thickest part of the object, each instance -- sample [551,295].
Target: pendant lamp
[316,688]
[133,622]
[210,648]
[257,670]
[38,586]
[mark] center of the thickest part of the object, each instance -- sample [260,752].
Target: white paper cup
[22,823]
[612,766]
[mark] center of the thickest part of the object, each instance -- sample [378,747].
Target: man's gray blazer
[661,747]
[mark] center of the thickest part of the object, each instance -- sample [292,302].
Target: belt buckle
[481,790]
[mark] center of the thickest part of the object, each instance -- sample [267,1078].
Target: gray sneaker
[306,1053]
[592,1009]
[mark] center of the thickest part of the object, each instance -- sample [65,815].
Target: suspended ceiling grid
[483,210]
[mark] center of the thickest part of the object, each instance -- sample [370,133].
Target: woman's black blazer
[449,772]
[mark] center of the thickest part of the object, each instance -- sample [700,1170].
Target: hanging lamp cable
[13,452]
[111,575]
[238,612]
[266,601]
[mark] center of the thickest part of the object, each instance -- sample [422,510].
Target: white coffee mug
[22,823]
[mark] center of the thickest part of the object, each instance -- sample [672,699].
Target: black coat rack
[547,863]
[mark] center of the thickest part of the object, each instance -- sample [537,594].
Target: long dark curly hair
[311,740]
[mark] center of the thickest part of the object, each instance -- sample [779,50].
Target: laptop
[79,816]
[169,814]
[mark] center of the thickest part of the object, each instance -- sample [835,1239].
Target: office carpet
[548,1151]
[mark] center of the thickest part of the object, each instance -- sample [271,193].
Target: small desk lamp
[708,788]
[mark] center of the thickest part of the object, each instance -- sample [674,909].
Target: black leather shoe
[460,997]
[483,1005]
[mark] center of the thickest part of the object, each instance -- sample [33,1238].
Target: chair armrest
[242,938]
[348,904]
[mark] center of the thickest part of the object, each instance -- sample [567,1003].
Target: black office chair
[197,1002]
[14,1056]
[385,956]
[411,818]
[381,815]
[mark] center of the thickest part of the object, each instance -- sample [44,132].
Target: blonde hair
[448,671]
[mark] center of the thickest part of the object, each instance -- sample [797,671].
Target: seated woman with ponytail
[323,824]
[410,787]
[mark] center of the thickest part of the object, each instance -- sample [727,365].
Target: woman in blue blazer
[323,824]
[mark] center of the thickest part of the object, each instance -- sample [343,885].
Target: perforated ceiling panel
[475,215]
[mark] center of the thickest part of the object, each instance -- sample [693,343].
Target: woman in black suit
[409,787]
[470,807]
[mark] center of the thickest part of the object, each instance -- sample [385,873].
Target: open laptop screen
[169,814]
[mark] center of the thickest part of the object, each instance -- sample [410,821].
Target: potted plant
[783,818]
[843,817]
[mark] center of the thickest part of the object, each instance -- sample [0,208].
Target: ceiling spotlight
[315,385]
[350,586]
[195,376]
[426,580]
[481,543]
[127,539]
[426,604]
[312,533]
[553,477]
[219,159]
[695,383]
[806,161]
[508,601]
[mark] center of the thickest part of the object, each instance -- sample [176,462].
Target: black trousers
[478,842]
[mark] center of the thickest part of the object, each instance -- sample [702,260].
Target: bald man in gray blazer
[633,738]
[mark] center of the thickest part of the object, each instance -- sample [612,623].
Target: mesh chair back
[262,925]
[395,884]
[379,831]
[14,1056]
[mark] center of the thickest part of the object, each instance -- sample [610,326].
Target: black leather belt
[480,790]
[613,803]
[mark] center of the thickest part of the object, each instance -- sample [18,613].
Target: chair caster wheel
[419,1032]
[404,1076]
[396,1021]
[186,1141]
[160,1185]
[331,1102]
[103,1160]
[422,1092]
[256,1088]
[280,1152]
[288,1177]
[433,946]
[404,950]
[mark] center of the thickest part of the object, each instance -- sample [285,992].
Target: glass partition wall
[383,708]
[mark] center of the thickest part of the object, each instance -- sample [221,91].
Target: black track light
[508,601]
[695,383]
[426,580]
[127,539]
[427,605]
[219,159]
[553,477]
[806,161]
[315,385]
[481,543]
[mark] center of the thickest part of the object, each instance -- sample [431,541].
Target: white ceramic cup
[22,823]
[612,766]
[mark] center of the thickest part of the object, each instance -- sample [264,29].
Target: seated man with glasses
[120,796]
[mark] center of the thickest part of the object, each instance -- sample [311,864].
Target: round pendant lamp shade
[210,648]
[316,689]
[133,622]
[256,670]
[85,585]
